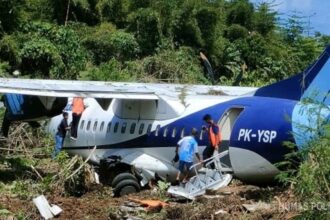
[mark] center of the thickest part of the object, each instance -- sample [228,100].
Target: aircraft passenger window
[157,130]
[115,128]
[102,126]
[82,124]
[173,132]
[123,128]
[88,125]
[165,132]
[109,127]
[149,129]
[95,126]
[141,128]
[182,133]
[132,130]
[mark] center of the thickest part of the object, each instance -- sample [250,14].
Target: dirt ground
[226,203]
[17,190]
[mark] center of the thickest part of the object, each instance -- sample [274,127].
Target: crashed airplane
[136,126]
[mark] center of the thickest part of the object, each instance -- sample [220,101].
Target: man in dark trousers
[60,135]
[78,108]
[214,135]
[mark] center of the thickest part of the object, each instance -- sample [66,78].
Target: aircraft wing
[65,88]
[120,90]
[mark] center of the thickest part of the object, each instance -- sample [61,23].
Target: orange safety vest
[78,105]
[215,139]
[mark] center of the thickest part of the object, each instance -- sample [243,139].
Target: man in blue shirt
[186,149]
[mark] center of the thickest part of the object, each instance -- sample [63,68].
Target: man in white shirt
[186,149]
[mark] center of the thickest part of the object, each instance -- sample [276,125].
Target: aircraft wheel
[125,187]
[122,176]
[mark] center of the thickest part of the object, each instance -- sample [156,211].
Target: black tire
[122,176]
[125,187]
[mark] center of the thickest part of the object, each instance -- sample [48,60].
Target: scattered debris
[221,211]
[150,204]
[46,211]
[125,208]
[256,206]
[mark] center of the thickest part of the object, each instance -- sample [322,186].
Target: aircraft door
[226,124]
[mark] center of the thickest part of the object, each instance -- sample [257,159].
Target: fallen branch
[36,171]
[83,164]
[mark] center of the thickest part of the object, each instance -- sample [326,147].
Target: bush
[236,31]
[44,50]
[109,71]
[144,23]
[311,179]
[105,42]
[174,66]
[124,45]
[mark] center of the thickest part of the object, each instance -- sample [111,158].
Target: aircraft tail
[314,82]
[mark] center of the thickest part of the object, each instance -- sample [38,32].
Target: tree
[10,14]
[264,19]
[240,12]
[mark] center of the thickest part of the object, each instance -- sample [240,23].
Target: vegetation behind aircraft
[160,41]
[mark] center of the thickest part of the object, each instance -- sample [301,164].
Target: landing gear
[124,184]
[120,176]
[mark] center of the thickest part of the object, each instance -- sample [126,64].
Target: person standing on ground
[186,149]
[214,134]
[60,135]
[77,109]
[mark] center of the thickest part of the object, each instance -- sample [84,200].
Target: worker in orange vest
[214,134]
[78,108]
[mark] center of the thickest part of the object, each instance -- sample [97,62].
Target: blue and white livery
[140,124]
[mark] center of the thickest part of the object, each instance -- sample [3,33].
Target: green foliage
[184,27]
[162,190]
[109,71]
[310,179]
[4,69]
[145,25]
[44,50]
[174,66]
[114,11]
[236,31]
[244,42]
[264,19]
[10,14]
[9,50]
[124,45]
[240,12]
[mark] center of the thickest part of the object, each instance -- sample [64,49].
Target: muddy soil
[227,203]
